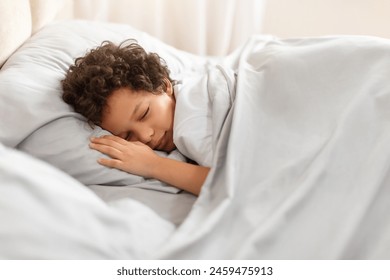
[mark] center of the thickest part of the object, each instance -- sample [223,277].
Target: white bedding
[300,169]
[203,100]
[46,214]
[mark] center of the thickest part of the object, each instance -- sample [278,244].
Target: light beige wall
[297,18]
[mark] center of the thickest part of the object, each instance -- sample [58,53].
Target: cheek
[172,113]
[167,111]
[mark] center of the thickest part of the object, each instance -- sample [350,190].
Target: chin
[170,148]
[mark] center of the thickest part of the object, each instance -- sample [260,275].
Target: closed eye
[145,114]
[127,137]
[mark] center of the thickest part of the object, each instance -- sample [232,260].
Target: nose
[142,133]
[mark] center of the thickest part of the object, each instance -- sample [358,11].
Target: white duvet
[203,100]
[300,168]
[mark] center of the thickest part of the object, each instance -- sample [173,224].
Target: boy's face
[141,116]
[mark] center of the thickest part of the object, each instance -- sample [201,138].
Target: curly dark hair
[92,79]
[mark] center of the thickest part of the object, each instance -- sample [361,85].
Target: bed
[301,156]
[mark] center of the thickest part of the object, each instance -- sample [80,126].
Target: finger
[139,144]
[114,138]
[112,163]
[109,141]
[107,150]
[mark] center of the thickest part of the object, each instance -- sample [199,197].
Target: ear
[169,86]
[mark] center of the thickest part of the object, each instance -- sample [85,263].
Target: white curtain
[206,27]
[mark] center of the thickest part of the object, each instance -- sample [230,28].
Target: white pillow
[46,214]
[33,117]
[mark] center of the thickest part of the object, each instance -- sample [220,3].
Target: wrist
[155,167]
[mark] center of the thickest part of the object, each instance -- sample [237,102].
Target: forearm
[186,176]
[137,158]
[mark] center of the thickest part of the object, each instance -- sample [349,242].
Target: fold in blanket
[301,164]
[203,100]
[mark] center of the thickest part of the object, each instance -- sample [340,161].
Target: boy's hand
[138,158]
[133,157]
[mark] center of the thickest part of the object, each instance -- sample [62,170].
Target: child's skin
[141,122]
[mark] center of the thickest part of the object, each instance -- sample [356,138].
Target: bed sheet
[173,207]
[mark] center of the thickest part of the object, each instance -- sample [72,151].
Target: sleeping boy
[129,92]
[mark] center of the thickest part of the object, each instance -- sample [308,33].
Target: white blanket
[203,100]
[301,169]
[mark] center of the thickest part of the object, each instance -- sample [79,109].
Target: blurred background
[213,27]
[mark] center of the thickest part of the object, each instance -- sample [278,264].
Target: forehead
[119,108]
